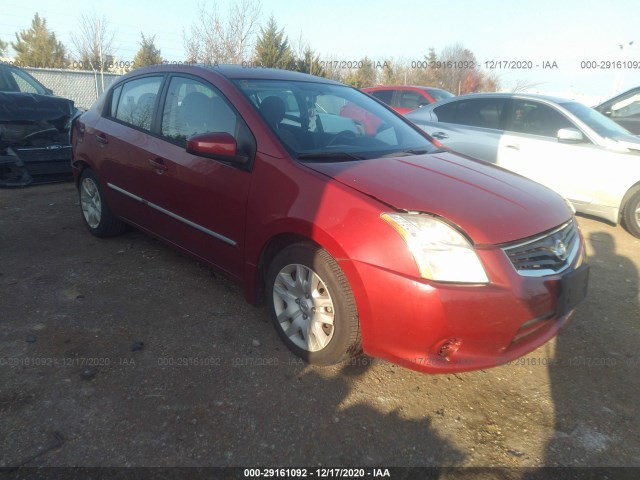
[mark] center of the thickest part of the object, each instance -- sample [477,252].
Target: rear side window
[136,101]
[194,107]
[484,112]
[383,95]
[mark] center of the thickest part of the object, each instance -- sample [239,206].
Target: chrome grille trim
[536,257]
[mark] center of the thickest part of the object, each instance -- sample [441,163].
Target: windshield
[602,125]
[324,122]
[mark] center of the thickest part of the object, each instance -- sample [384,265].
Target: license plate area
[573,289]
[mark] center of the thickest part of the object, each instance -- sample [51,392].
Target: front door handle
[157,164]
[439,135]
[513,146]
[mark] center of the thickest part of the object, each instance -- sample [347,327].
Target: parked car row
[573,149]
[358,239]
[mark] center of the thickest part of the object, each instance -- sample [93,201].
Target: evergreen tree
[364,76]
[309,62]
[273,49]
[148,54]
[38,47]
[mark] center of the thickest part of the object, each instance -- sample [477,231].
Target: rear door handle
[102,138]
[513,146]
[439,135]
[157,164]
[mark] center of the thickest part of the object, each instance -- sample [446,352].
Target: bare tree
[93,43]
[217,38]
[522,85]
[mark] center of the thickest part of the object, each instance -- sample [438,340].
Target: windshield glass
[318,120]
[602,125]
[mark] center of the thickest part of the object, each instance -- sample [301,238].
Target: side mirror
[570,135]
[219,146]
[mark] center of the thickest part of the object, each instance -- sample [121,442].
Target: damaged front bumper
[34,139]
[20,167]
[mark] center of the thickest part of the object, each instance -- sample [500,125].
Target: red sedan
[406,98]
[375,242]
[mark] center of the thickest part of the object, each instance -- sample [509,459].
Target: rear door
[121,140]
[472,127]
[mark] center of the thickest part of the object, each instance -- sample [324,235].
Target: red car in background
[405,98]
[376,242]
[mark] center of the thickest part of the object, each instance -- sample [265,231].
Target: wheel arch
[260,256]
[629,193]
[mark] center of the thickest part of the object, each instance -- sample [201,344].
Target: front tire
[312,306]
[631,214]
[96,213]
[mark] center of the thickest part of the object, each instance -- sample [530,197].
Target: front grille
[547,254]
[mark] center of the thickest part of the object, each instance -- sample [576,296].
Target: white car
[573,149]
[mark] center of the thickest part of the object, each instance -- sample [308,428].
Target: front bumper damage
[34,139]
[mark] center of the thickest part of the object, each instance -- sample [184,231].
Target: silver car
[573,149]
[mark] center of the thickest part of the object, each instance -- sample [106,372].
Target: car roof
[236,72]
[530,96]
[402,87]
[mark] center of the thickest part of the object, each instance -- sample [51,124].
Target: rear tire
[96,213]
[631,213]
[312,306]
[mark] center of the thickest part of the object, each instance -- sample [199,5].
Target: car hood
[624,143]
[490,204]
[25,115]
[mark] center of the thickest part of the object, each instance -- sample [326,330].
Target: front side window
[193,107]
[320,119]
[136,102]
[535,118]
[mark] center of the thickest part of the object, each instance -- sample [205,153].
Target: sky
[536,31]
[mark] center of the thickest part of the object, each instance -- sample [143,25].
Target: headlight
[442,253]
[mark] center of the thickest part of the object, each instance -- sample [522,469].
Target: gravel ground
[123,352]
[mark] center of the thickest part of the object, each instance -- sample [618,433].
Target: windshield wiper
[404,153]
[330,156]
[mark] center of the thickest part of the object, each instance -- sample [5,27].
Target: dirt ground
[122,352]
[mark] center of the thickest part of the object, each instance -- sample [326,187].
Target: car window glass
[193,107]
[24,84]
[438,94]
[318,118]
[627,107]
[537,119]
[115,98]
[481,112]
[383,95]
[411,99]
[137,101]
